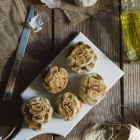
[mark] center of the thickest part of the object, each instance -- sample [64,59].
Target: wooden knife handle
[12,80]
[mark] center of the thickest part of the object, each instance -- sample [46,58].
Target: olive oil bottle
[130,19]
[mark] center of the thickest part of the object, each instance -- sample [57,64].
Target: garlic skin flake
[37,21]
[55,79]
[82,59]
[93,89]
[37,112]
[85,3]
[68,106]
[52,3]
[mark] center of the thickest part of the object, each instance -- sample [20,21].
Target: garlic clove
[63,72]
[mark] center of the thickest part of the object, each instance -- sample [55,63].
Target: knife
[20,53]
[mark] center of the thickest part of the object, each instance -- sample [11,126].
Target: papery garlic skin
[55,80]
[85,3]
[52,3]
[82,59]
[37,112]
[37,21]
[93,89]
[68,106]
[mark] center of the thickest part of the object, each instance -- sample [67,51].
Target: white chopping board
[104,67]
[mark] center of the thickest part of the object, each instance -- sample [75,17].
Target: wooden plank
[132,91]
[38,55]
[131,88]
[103,31]
[43,137]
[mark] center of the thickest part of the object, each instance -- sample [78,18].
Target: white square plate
[104,67]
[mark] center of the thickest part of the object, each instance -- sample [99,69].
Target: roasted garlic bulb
[82,59]
[37,112]
[93,89]
[68,106]
[55,80]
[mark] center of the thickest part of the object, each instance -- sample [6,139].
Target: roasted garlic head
[37,112]
[68,106]
[93,89]
[55,80]
[82,59]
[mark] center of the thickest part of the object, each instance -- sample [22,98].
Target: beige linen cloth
[12,19]
[77,13]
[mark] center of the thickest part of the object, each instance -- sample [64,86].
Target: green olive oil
[130,19]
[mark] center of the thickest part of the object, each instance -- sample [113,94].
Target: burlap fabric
[12,19]
[112,132]
[77,13]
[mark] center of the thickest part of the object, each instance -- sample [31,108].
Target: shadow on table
[10,114]
[103,29]
[36,58]
[106,35]
[131,113]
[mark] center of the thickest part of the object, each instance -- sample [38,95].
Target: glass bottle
[130,19]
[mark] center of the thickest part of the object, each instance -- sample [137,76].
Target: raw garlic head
[68,106]
[85,3]
[82,58]
[92,89]
[52,3]
[37,112]
[55,80]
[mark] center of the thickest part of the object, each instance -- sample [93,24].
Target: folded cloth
[12,19]
[77,13]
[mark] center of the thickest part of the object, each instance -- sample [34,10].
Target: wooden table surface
[104,30]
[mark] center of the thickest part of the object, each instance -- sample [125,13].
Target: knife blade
[20,53]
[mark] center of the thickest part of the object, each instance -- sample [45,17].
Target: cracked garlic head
[55,80]
[92,89]
[37,112]
[82,58]
[68,106]
[85,3]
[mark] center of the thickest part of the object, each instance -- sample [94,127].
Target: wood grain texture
[43,137]
[12,79]
[37,56]
[103,30]
[131,88]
